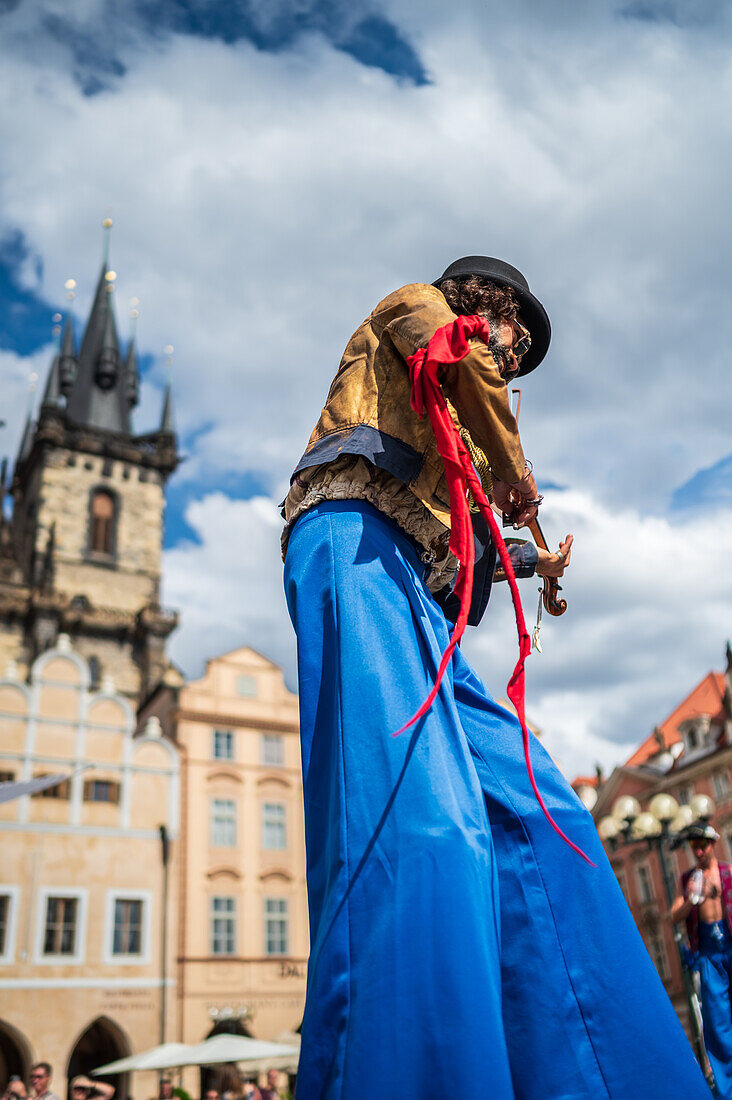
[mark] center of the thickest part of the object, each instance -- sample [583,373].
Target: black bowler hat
[533,313]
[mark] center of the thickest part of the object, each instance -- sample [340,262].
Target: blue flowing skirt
[458,946]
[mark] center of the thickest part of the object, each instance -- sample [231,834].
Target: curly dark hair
[473,294]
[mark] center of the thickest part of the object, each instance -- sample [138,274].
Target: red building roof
[705,698]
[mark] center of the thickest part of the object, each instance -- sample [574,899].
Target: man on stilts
[704,902]
[452,928]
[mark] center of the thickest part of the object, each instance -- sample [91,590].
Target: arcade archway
[103,1041]
[15,1055]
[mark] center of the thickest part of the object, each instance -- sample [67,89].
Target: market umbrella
[166,1056]
[236,1048]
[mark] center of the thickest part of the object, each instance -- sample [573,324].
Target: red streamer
[450,344]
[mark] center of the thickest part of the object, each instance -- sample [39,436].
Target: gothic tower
[81,554]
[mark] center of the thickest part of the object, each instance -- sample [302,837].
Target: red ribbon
[450,344]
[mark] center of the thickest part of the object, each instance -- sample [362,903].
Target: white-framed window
[657,951]
[223,823]
[9,900]
[246,686]
[101,790]
[273,750]
[720,785]
[223,926]
[127,927]
[276,927]
[274,832]
[223,745]
[61,925]
[645,883]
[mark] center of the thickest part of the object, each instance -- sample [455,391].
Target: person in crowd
[40,1081]
[83,1088]
[250,1091]
[15,1089]
[212,1094]
[165,1090]
[704,902]
[272,1092]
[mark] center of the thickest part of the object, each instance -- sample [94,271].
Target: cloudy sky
[274,167]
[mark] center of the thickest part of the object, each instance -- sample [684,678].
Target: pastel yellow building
[81,873]
[243,934]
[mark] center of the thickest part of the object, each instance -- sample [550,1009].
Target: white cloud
[264,203]
[230,586]
[648,607]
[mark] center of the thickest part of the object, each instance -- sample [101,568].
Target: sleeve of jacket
[474,386]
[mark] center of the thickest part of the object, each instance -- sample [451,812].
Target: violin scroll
[553,603]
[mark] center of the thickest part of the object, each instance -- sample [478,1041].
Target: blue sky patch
[377,42]
[98,45]
[178,496]
[709,488]
[25,318]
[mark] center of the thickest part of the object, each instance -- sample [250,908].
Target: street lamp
[628,824]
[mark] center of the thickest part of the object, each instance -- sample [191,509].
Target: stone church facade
[81,555]
[88,878]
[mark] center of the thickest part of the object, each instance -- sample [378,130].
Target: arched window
[102,522]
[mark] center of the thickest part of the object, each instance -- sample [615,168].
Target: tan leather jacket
[368,410]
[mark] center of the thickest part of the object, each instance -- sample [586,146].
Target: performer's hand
[553,565]
[514,499]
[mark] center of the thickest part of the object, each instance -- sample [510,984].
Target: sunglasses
[522,341]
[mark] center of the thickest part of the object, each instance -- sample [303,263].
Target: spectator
[83,1088]
[272,1092]
[166,1089]
[251,1092]
[212,1094]
[40,1080]
[15,1090]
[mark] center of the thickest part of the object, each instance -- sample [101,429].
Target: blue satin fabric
[457,944]
[715,972]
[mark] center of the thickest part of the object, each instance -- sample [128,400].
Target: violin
[554,604]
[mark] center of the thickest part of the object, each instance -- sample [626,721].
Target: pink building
[688,755]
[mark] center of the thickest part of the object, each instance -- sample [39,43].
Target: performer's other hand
[553,565]
[514,499]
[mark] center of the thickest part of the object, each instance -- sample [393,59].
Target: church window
[223,745]
[58,790]
[61,931]
[273,750]
[223,823]
[276,926]
[107,467]
[128,929]
[223,926]
[101,790]
[102,522]
[274,834]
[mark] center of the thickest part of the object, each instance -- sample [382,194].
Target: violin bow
[553,603]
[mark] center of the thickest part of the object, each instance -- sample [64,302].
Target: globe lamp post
[628,824]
